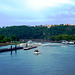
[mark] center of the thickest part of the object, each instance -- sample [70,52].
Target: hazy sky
[36,12]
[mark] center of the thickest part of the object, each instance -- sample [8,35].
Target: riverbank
[10,43]
[25,40]
[39,40]
[3,44]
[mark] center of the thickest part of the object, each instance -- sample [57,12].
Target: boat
[68,42]
[29,44]
[71,42]
[27,48]
[36,52]
[64,42]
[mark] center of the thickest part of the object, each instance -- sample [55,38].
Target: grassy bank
[10,43]
[3,44]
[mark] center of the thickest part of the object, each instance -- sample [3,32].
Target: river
[54,59]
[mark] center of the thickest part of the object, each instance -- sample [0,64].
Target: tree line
[38,32]
[62,37]
[4,39]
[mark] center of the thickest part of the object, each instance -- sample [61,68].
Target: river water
[54,59]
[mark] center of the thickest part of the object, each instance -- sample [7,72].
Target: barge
[27,48]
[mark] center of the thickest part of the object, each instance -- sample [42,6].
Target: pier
[10,49]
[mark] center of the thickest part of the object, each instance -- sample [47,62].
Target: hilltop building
[48,26]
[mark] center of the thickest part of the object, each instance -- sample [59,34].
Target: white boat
[36,52]
[22,44]
[65,42]
[71,42]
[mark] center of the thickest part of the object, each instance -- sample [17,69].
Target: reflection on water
[53,60]
[15,52]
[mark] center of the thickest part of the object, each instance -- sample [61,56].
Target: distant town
[48,26]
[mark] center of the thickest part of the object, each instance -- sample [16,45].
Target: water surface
[53,60]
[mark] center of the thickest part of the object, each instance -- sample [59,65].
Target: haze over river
[55,59]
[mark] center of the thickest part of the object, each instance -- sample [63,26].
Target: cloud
[36,11]
[42,4]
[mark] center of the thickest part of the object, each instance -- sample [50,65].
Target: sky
[36,12]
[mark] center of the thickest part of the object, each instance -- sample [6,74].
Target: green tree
[8,39]
[65,37]
[4,39]
[1,38]
[13,38]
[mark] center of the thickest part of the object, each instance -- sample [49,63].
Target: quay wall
[39,40]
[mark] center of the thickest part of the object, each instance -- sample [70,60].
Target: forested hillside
[37,32]
[23,32]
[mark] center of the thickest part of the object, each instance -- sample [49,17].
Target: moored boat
[64,42]
[68,42]
[71,42]
[27,48]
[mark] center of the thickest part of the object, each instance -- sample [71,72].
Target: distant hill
[37,32]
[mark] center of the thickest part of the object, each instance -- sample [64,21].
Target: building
[48,26]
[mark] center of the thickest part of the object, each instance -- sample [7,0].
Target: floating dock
[10,49]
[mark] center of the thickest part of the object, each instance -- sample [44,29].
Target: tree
[1,38]
[4,39]
[8,39]
[13,38]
